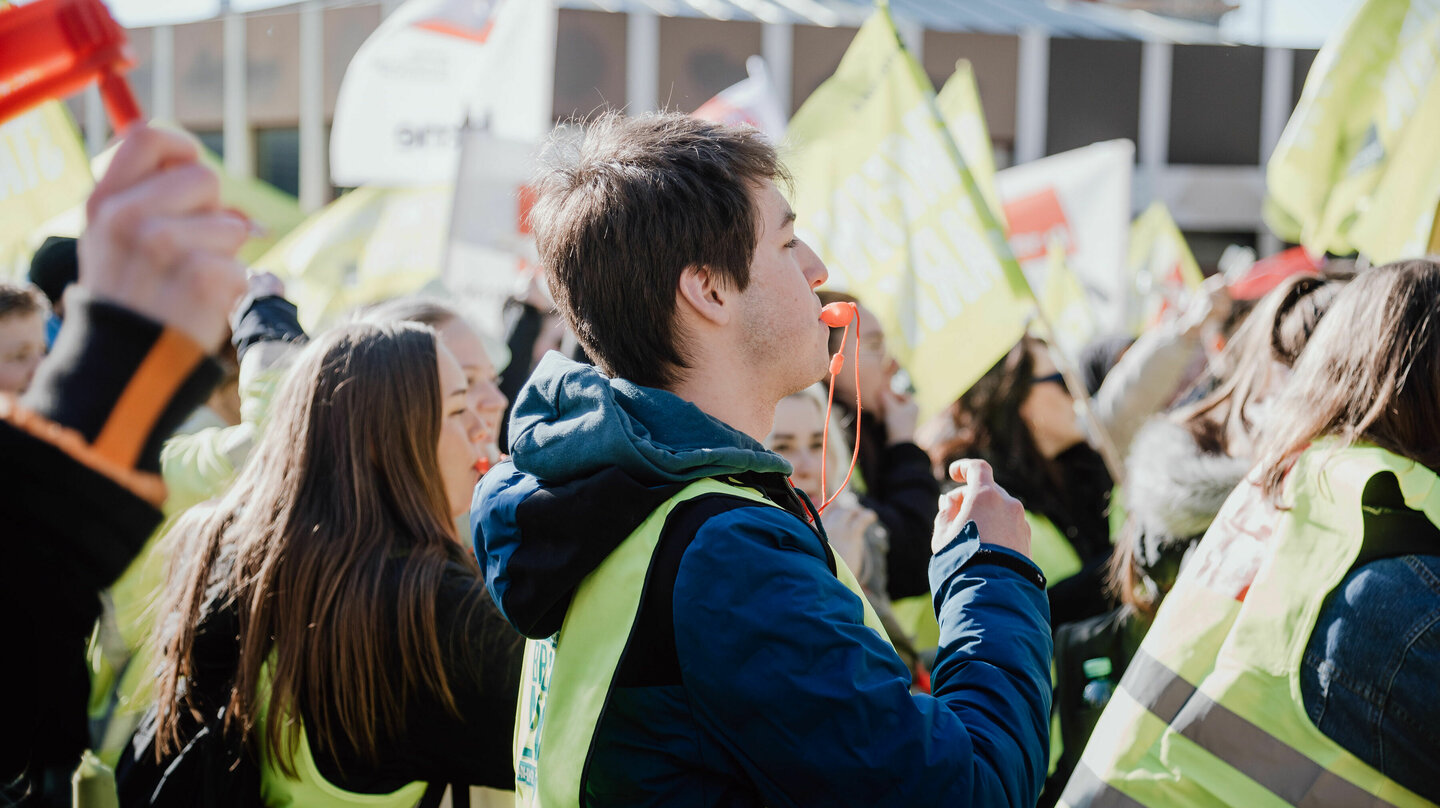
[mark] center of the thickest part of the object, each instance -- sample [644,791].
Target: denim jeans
[1370,677]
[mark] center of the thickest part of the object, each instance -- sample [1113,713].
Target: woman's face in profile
[461,434]
[1049,410]
[483,394]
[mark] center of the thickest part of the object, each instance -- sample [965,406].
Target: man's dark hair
[625,209]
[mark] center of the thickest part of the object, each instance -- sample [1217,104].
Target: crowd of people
[680,559]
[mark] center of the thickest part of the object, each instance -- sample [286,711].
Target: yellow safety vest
[566,678]
[1209,712]
[309,788]
[1052,552]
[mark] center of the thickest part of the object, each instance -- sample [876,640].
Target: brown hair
[1275,332]
[1371,373]
[409,309]
[19,299]
[336,526]
[621,214]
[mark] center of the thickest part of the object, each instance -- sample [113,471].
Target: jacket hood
[571,421]
[1174,490]
[591,458]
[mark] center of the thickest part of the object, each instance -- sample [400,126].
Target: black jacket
[81,455]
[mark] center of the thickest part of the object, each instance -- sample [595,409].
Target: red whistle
[837,315]
[52,48]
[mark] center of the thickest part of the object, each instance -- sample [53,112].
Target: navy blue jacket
[752,680]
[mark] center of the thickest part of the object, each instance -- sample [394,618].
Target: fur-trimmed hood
[1173,489]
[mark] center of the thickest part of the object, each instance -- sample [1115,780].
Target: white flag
[751,101]
[428,67]
[1080,198]
[491,252]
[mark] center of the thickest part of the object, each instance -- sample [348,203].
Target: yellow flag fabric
[883,196]
[43,173]
[959,103]
[369,245]
[275,211]
[1397,222]
[1161,265]
[1356,167]
[1065,305]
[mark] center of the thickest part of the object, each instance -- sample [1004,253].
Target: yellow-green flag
[1357,167]
[1397,221]
[369,245]
[275,211]
[1066,307]
[1161,266]
[43,173]
[959,103]
[884,197]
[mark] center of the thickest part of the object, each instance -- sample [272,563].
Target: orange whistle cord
[835,367]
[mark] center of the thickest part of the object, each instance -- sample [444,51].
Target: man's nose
[814,268]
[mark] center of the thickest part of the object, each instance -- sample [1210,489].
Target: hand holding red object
[158,241]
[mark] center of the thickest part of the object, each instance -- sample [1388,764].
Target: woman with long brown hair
[1300,646]
[325,601]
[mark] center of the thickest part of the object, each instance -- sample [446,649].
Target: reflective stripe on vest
[1209,711]
[566,678]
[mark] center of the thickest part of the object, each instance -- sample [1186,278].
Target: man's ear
[705,293]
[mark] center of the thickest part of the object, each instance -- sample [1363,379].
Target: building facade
[260,88]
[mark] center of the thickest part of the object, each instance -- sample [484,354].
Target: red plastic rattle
[52,48]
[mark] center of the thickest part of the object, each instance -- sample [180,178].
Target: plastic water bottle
[1098,686]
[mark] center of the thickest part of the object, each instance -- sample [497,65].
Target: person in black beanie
[52,269]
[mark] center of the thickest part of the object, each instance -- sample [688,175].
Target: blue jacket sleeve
[816,707]
[492,517]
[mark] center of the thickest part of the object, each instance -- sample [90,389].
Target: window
[699,58]
[589,63]
[1094,93]
[1215,105]
[213,141]
[277,158]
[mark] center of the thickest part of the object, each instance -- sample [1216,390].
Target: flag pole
[1098,433]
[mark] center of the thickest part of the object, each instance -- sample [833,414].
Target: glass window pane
[1094,93]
